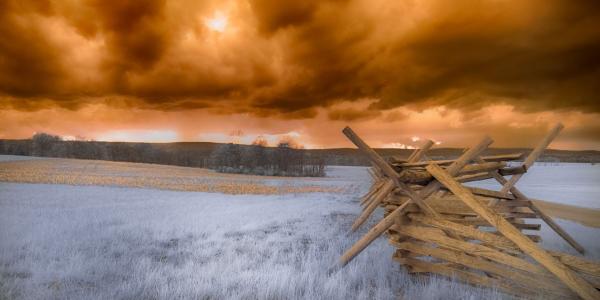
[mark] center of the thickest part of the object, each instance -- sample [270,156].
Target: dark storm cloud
[273,15]
[134,30]
[352,114]
[286,59]
[544,61]
[28,62]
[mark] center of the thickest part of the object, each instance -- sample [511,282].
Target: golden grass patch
[107,173]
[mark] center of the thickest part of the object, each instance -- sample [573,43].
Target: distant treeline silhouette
[284,160]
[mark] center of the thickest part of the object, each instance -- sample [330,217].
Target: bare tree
[42,143]
[286,159]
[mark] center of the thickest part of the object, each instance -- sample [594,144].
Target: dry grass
[106,173]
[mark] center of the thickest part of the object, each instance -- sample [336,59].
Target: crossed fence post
[393,176]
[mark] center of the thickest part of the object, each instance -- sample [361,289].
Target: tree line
[286,159]
[283,160]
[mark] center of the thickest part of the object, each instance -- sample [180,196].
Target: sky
[397,72]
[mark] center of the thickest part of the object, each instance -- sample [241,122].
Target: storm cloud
[330,62]
[276,58]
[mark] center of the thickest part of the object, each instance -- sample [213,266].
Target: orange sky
[396,71]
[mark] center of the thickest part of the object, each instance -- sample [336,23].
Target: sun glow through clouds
[395,145]
[144,136]
[218,22]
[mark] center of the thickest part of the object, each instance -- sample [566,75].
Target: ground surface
[565,183]
[108,173]
[570,191]
[102,242]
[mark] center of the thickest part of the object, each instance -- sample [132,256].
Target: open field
[117,241]
[569,191]
[108,173]
[563,183]
[582,206]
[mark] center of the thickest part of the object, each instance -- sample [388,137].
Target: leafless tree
[42,143]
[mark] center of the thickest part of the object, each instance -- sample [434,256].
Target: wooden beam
[466,231]
[410,157]
[371,154]
[387,188]
[516,203]
[373,176]
[418,154]
[520,196]
[457,165]
[373,233]
[569,239]
[446,206]
[431,188]
[436,236]
[520,215]
[533,156]
[422,177]
[505,157]
[465,276]
[566,275]
[387,169]
[479,222]
[486,175]
[577,263]
[525,279]
[374,188]
[490,193]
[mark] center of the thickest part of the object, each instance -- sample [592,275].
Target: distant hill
[550,155]
[196,154]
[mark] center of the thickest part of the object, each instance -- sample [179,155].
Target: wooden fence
[440,226]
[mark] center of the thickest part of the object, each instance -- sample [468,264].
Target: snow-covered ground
[18,157]
[97,242]
[566,183]
[71,242]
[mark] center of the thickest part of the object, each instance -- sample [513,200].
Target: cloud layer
[368,62]
[288,59]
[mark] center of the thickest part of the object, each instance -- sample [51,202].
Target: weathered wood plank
[419,153]
[386,168]
[465,231]
[422,176]
[490,193]
[486,175]
[371,154]
[577,263]
[374,189]
[504,157]
[521,197]
[431,188]
[371,235]
[468,277]
[456,166]
[566,275]
[528,280]
[450,205]
[533,156]
[375,194]
[385,191]
[482,222]
[432,235]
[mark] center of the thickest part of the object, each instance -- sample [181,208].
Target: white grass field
[567,183]
[62,241]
